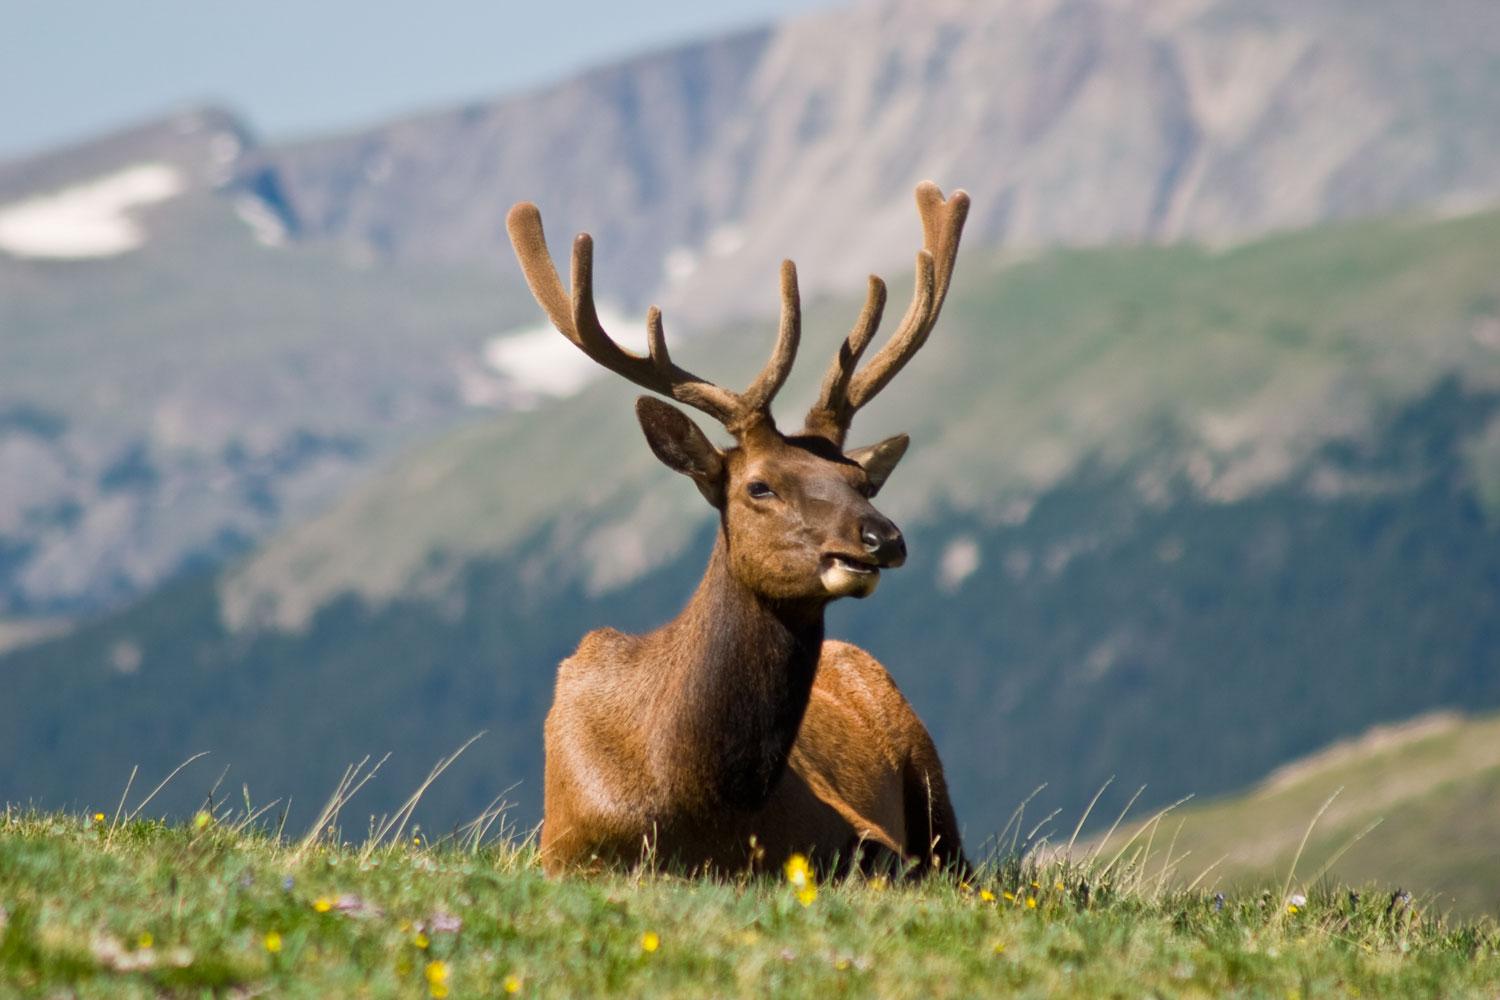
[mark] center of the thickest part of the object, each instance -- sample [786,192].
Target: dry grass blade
[1333,860]
[1044,821]
[1167,864]
[1291,872]
[115,820]
[1204,873]
[130,816]
[348,786]
[1094,854]
[1068,854]
[1149,824]
[251,817]
[1015,817]
[396,824]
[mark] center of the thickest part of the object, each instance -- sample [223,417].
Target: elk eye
[760,491]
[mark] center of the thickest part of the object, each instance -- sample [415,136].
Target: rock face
[1074,121]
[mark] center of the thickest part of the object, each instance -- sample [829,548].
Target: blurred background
[1205,483]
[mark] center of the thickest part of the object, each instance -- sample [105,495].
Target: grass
[96,906]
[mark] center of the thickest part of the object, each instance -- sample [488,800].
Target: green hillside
[1176,516]
[1414,806]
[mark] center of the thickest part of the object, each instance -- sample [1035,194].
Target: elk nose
[883,541]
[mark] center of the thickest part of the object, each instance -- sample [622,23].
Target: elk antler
[575,317]
[844,389]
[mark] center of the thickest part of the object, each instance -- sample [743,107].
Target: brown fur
[734,735]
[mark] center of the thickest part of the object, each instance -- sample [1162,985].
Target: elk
[736,735]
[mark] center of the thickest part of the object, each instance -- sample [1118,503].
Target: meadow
[119,906]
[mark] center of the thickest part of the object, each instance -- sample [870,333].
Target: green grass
[99,908]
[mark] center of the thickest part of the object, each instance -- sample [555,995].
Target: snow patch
[540,362]
[87,220]
[960,560]
[263,222]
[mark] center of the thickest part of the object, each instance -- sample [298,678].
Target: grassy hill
[1174,515]
[104,907]
[1432,785]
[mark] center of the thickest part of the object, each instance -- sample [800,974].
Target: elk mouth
[851,564]
[846,575]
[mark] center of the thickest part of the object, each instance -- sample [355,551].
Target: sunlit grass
[144,908]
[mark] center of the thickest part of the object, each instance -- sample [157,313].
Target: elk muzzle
[851,574]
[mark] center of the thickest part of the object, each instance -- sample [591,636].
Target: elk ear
[682,447]
[879,460]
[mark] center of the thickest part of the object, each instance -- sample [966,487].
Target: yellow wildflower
[798,871]
[1058,885]
[1292,908]
[807,894]
[98,817]
[512,984]
[986,896]
[420,940]
[201,821]
[1009,897]
[650,941]
[437,979]
[322,904]
[999,947]
[1030,902]
[272,942]
[145,940]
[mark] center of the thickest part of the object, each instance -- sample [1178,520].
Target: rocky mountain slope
[178,376]
[1071,121]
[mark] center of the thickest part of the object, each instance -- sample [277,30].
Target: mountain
[179,377]
[1175,514]
[1071,121]
[207,337]
[1429,787]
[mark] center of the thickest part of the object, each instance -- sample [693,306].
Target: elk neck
[738,670]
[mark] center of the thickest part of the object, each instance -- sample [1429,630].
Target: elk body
[735,734]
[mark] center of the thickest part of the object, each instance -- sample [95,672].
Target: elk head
[795,509]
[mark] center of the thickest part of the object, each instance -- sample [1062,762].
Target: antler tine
[578,320]
[827,418]
[906,341]
[846,389]
[757,398]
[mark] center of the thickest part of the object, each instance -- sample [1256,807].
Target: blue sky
[69,69]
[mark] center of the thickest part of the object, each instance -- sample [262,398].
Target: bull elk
[735,735]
